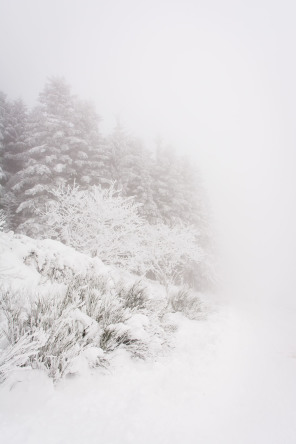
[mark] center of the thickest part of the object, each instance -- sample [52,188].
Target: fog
[215,79]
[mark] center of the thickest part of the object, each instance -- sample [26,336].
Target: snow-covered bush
[55,314]
[115,336]
[103,312]
[98,299]
[134,296]
[13,312]
[18,354]
[92,308]
[169,252]
[48,318]
[111,304]
[100,222]
[184,301]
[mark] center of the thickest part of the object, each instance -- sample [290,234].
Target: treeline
[59,142]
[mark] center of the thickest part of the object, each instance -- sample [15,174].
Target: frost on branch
[99,222]
[170,251]
[103,223]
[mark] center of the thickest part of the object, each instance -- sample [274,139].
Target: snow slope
[230,379]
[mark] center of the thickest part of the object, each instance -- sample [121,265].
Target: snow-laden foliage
[58,143]
[99,222]
[169,252]
[61,325]
[103,223]
[18,355]
[83,311]
[183,300]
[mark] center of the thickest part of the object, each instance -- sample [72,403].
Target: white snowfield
[231,378]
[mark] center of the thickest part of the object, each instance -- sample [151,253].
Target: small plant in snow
[100,312]
[133,296]
[115,336]
[184,301]
[18,354]
[50,316]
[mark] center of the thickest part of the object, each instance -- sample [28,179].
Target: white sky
[216,79]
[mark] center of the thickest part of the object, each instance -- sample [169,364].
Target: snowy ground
[230,379]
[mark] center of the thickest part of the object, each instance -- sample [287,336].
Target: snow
[230,379]
[23,260]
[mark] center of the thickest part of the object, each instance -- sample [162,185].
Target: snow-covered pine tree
[130,164]
[3,111]
[138,167]
[177,189]
[90,163]
[116,151]
[15,134]
[166,185]
[191,206]
[60,149]
[14,155]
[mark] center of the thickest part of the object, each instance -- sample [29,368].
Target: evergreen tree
[14,154]
[129,164]
[61,143]
[90,165]
[166,183]
[138,167]
[3,111]
[116,152]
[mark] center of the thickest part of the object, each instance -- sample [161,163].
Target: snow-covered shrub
[49,267]
[65,343]
[133,296]
[169,252]
[184,301]
[13,313]
[118,335]
[103,223]
[50,316]
[18,354]
[98,298]
[100,222]
[111,305]
[95,307]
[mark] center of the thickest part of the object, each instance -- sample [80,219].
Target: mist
[216,82]
[213,80]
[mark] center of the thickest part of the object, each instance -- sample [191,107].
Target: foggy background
[214,79]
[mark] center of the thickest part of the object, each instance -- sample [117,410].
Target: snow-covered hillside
[225,382]
[60,308]
[228,377]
